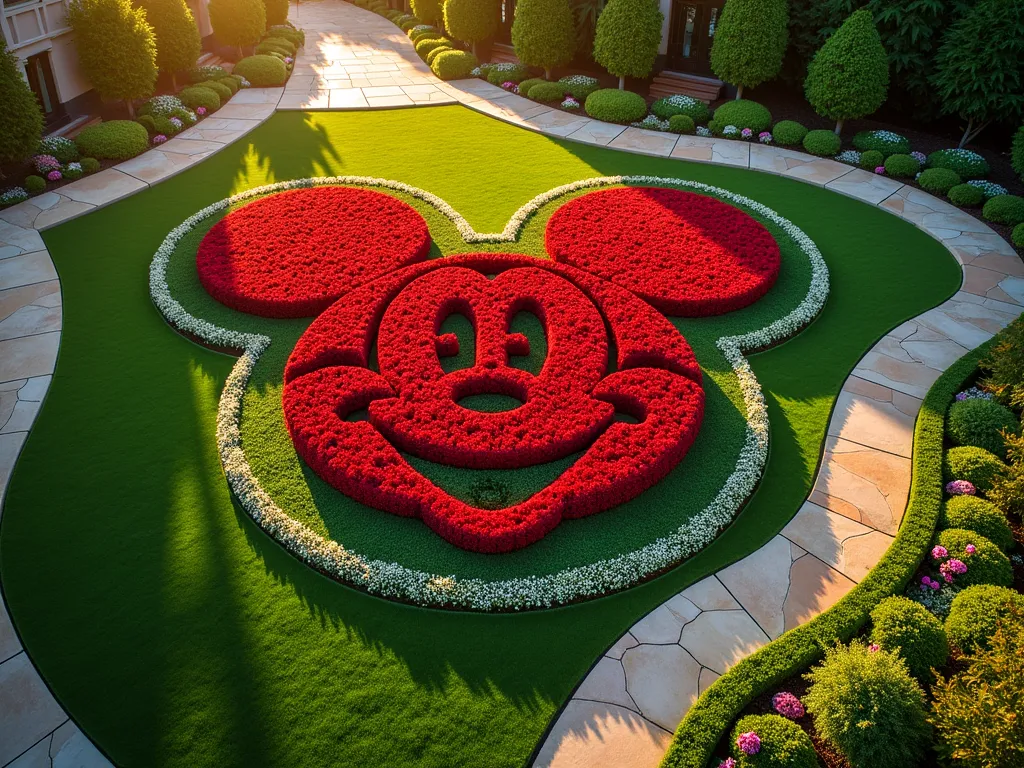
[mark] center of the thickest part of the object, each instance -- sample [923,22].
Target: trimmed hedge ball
[283,43]
[679,104]
[887,143]
[435,52]
[964,195]
[416,34]
[269,47]
[966,164]
[788,133]
[34,184]
[1017,236]
[223,92]
[231,83]
[871,159]
[988,564]
[901,166]
[90,164]
[615,106]
[262,71]
[744,113]
[822,143]
[938,181]
[979,423]
[454,65]
[580,86]
[516,74]
[547,92]
[969,513]
[784,744]
[681,124]
[113,140]
[977,465]
[1004,209]
[426,44]
[976,613]
[528,83]
[901,625]
[196,96]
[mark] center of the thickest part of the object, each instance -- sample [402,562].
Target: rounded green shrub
[262,71]
[988,564]
[411,23]
[116,47]
[615,106]
[223,92]
[547,92]
[783,743]
[34,184]
[430,11]
[886,142]
[580,86]
[454,65]
[627,37]
[969,513]
[907,628]
[1017,236]
[196,96]
[296,36]
[979,423]
[419,32]
[938,181]
[435,52]
[744,113]
[427,44]
[471,20]
[750,42]
[238,22]
[788,133]
[63,149]
[977,465]
[528,83]
[90,164]
[147,122]
[966,164]
[283,43]
[165,126]
[113,140]
[276,12]
[1004,209]
[71,173]
[21,121]
[871,159]
[230,82]
[177,37]
[822,143]
[681,124]
[868,706]
[202,74]
[901,166]
[270,47]
[976,612]
[678,104]
[507,73]
[964,195]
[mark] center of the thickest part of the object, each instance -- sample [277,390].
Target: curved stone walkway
[624,711]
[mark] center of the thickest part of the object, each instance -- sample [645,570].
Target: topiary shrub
[428,11]
[238,23]
[59,147]
[34,184]
[681,124]
[615,106]
[547,92]
[276,12]
[148,122]
[196,96]
[1017,236]
[426,44]
[230,82]
[902,166]
[89,164]
[969,513]
[678,104]
[750,41]
[454,65]
[744,113]
[435,52]
[411,23]
[21,122]
[976,465]
[72,172]
[900,625]
[966,164]
[867,706]
[849,77]
[262,71]
[580,86]
[886,142]
[822,143]
[976,613]
[783,743]
[282,47]
[987,564]
[965,195]
[978,422]
[288,32]
[528,83]
[507,73]
[976,714]
[1004,209]
[788,133]
[165,126]
[177,36]
[544,33]
[627,37]
[421,31]
[223,92]
[471,20]
[938,181]
[112,140]
[871,159]
[116,48]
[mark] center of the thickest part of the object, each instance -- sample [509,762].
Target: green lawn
[176,633]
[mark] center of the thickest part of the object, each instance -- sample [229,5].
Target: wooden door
[691,34]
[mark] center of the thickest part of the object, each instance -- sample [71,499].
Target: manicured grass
[178,634]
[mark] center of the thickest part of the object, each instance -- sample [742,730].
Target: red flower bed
[412,404]
[294,253]
[687,254]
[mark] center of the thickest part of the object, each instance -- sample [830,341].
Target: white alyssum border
[396,581]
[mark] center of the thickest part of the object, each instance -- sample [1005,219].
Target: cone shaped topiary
[544,33]
[471,20]
[177,36]
[427,11]
[627,37]
[849,76]
[750,42]
[238,22]
[21,122]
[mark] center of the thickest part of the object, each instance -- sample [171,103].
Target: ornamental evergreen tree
[849,76]
[544,33]
[277,12]
[980,66]
[21,121]
[116,48]
[627,38]
[177,37]
[750,42]
[427,11]
[238,22]
[471,20]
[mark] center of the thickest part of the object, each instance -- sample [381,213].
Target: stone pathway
[623,713]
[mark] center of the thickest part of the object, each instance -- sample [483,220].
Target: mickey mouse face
[356,259]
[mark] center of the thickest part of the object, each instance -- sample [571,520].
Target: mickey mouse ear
[294,253]
[687,254]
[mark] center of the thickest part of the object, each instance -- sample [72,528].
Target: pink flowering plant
[508,85]
[46,163]
[727,763]
[788,705]
[749,743]
[960,488]
[54,176]
[201,111]
[765,137]
[159,139]
[951,569]
[747,133]
[880,170]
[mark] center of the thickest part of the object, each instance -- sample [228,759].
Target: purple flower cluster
[749,743]
[921,157]
[54,176]
[939,552]
[788,705]
[928,583]
[46,163]
[880,170]
[960,488]
[974,393]
[765,137]
[874,648]
[727,763]
[747,133]
[951,569]
[508,85]
[159,139]
[201,111]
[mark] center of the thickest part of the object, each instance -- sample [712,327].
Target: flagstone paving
[624,711]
